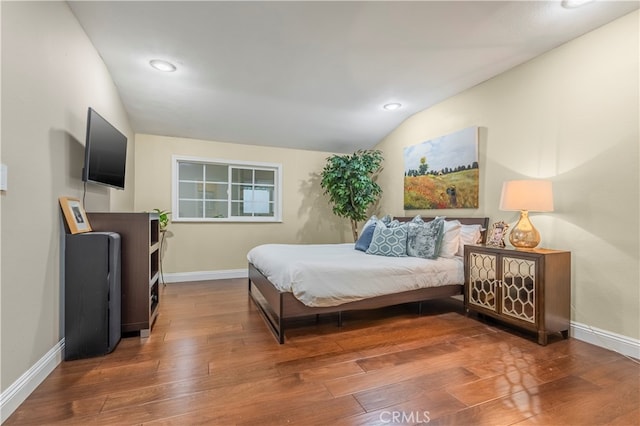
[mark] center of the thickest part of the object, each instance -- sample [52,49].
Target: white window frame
[277,205]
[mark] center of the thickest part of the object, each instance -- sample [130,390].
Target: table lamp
[526,196]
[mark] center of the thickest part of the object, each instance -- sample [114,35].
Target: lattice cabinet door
[482,280]
[518,288]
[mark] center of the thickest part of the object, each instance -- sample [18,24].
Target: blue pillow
[365,237]
[389,241]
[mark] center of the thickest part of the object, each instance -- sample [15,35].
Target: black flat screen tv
[105,153]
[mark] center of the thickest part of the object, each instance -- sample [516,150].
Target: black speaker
[92,294]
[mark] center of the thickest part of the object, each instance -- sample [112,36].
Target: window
[226,191]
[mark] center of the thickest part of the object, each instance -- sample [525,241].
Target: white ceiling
[314,75]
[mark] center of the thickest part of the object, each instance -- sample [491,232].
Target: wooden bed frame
[277,306]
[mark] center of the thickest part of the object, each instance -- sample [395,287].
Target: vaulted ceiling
[315,75]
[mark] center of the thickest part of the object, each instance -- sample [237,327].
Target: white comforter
[332,274]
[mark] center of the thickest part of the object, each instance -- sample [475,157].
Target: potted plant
[349,180]
[163,217]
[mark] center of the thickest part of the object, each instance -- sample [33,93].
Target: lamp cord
[162,234]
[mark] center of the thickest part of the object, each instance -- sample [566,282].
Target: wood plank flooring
[210,359]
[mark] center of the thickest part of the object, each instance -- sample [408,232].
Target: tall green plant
[349,180]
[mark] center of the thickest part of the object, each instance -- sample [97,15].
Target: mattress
[323,275]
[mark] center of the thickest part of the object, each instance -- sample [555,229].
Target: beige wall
[198,247]
[51,74]
[572,116]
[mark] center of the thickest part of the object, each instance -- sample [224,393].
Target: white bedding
[322,275]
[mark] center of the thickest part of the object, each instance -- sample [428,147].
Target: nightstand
[525,288]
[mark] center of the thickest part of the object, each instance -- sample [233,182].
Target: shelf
[140,234]
[154,279]
[154,236]
[154,265]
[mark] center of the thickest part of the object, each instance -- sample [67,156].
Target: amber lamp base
[524,235]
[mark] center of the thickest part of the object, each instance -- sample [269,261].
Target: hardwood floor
[210,359]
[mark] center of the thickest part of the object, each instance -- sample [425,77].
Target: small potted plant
[163,217]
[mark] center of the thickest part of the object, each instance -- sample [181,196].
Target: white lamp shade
[530,195]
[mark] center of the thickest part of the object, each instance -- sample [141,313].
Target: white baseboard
[179,277]
[19,390]
[606,339]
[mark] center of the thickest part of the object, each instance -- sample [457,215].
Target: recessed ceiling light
[161,65]
[392,106]
[572,4]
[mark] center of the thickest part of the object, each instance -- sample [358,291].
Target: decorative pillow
[395,223]
[424,239]
[388,241]
[372,221]
[469,234]
[365,237]
[450,238]
[386,219]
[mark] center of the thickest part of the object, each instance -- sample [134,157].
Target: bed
[293,281]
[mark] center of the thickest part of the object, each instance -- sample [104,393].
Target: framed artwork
[443,173]
[497,232]
[74,215]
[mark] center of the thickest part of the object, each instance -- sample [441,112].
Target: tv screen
[105,154]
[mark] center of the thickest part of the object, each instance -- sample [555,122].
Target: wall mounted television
[105,153]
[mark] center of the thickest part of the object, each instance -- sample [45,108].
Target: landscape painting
[442,173]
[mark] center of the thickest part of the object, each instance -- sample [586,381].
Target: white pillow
[469,234]
[450,239]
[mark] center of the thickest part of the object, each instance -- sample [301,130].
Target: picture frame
[74,215]
[443,172]
[497,232]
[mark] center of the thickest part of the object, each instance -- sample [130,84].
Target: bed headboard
[482,221]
